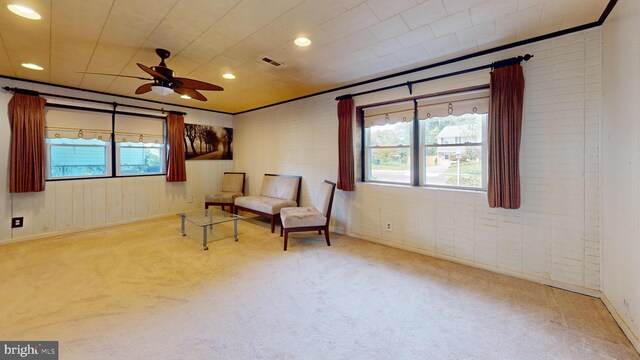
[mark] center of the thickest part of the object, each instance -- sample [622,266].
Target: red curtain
[346,177]
[176,168]
[26,117]
[505,127]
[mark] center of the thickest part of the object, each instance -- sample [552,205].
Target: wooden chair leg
[273,224]
[326,235]
[281,228]
[319,232]
[222,206]
[286,238]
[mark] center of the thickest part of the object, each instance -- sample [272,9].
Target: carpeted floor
[142,291]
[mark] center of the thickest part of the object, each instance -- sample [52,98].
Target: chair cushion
[281,187]
[222,197]
[323,197]
[293,217]
[232,183]
[264,204]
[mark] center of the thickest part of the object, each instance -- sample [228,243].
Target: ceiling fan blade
[144,89]
[126,76]
[197,84]
[156,75]
[190,92]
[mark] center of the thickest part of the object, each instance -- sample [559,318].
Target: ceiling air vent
[269,60]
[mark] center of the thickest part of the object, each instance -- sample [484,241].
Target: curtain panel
[505,127]
[176,168]
[346,176]
[28,160]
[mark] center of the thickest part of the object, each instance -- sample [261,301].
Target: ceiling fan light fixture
[302,41]
[229,76]
[32,66]
[161,90]
[24,11]
[185,97]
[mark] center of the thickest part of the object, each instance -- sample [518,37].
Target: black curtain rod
[409,84]
[84,108]
[114,104]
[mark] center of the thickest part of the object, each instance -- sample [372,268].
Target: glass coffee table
[207,219]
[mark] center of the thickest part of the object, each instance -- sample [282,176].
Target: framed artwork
[203,142]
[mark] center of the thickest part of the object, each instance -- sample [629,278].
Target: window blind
[77,124]
[476,102]
[139,129]
[388,114]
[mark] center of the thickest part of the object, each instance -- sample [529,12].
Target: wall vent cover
[269,60]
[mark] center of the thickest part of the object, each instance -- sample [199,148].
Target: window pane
[391,165]
[78,160]
[141,159]
[454,129]
[397,134]
[453,166]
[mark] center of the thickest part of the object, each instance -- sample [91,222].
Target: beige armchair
[316,217]
[232,187]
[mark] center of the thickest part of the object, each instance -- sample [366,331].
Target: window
[389,134]
[78,158]
[140,158]
[85,144]
[450,145]
[452,151]
[139,145]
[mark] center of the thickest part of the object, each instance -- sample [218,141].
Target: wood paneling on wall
[84,204]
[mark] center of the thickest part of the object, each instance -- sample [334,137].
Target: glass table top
[207,217]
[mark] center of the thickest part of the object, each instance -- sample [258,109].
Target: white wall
[620,162]
[553,238]
[83,204]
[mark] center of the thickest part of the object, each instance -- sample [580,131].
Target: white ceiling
[352,40]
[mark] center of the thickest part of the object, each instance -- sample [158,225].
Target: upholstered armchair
[316,217]
[232,187]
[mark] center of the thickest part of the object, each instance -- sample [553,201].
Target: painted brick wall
[620,170]
[553,238]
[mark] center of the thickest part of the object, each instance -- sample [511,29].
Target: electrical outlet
[389,227]
[17,222]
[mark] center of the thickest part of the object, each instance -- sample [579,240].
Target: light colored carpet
[142,291]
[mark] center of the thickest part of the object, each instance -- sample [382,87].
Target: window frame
[417,147]
[108,163]
[163,150]
[422,146]
[409,147]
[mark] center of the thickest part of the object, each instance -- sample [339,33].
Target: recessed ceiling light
[24,11]
[32,66]
[185,97]
[302,41]
[229,76]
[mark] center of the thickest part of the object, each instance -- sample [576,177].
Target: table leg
[204,238]
[183,229]
[235,229]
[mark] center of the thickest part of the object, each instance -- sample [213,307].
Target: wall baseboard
[633,338]
[79,230]
[554,283]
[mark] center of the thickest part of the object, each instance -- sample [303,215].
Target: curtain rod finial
[344,97]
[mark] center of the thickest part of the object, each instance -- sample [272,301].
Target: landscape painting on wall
[202,142]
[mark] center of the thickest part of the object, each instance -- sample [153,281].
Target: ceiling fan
[164,82]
